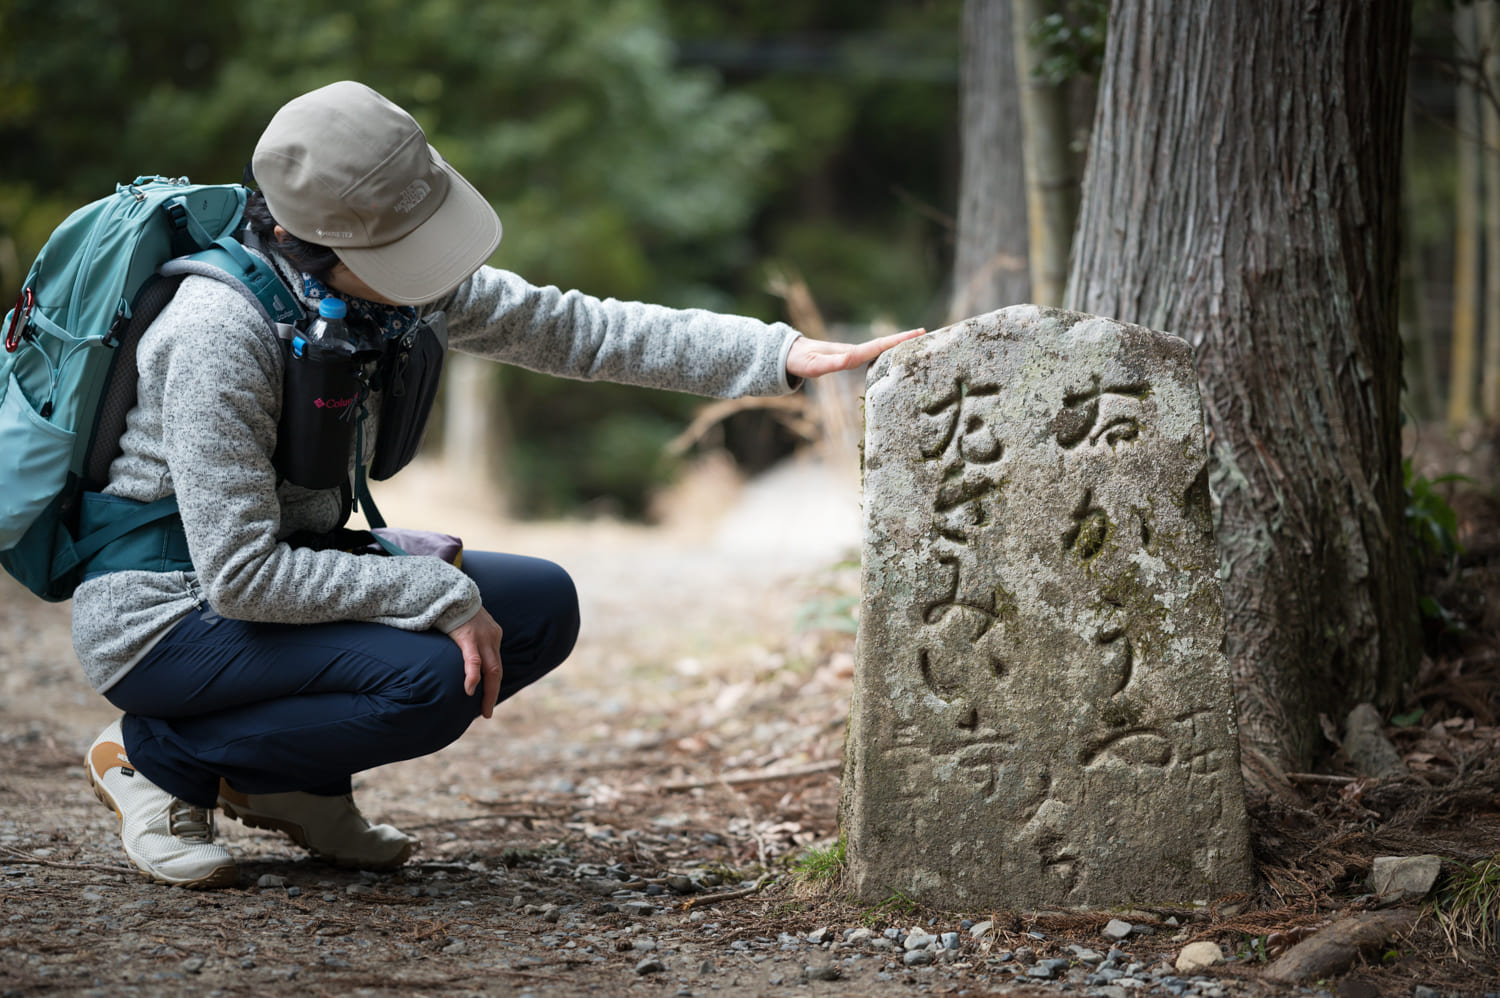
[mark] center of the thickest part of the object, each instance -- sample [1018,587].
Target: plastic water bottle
[322,395]
[329,325]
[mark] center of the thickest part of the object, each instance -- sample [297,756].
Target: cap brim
[438,255]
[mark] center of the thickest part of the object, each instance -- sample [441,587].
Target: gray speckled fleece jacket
[205,428]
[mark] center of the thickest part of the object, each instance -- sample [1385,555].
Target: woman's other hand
[479,639]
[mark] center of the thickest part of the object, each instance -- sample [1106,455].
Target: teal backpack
[68,374]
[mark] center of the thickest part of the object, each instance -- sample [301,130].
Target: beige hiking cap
[345,168]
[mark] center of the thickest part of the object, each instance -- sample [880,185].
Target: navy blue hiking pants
[279,707]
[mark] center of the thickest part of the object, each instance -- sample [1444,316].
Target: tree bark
[1243,192]
[1051,167]
[991,268]
[1462,376]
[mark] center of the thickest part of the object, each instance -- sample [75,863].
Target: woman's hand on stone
[814,358]
[479,640]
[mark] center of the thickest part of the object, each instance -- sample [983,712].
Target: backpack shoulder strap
[227,261]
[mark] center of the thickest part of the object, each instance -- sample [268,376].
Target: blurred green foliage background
[661,150]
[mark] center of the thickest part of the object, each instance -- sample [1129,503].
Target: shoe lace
[195,824]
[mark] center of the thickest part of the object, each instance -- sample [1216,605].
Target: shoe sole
[222,876]
[251,819]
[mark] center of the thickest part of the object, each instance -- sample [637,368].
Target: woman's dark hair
[310,258]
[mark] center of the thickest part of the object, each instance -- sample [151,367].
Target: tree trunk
[1424,394]
[1051,171]
[1462,377]
[476,430]
[990,268]
[1243,192]
[1490,158]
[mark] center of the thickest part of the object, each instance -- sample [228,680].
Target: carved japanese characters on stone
[1042,711]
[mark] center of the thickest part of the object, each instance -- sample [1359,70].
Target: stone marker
[1042,711]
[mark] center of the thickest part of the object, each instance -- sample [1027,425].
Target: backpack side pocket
[34,459]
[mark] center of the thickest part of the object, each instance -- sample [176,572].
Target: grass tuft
[821,864]
[1469,908]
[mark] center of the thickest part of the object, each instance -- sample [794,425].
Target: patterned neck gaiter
[390,321]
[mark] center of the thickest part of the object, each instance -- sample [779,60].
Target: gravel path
[576,843]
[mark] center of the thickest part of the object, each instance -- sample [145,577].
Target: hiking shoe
[169,840]
[331,828]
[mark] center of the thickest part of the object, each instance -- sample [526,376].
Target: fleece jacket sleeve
[496,314]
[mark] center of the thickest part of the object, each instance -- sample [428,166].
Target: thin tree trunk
[1462,377]
[1051,167]
[1424,396]
[1490,158]
[476,430]
[1243,191]
[991,268]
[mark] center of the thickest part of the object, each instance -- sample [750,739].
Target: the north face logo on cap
[414,194]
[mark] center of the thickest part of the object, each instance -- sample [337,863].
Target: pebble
[917,958]
[950,940]
[829,973]
[1117,929]
[1055,965]
[857,935]
[270,880]
[820,936]
[981,929]
[681,885]
[919,939]
[650,965]
[1196,956]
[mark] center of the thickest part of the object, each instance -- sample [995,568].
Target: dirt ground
[584,841]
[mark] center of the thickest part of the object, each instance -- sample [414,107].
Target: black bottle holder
[325,386]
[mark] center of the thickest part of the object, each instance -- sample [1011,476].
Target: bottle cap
[331,308]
